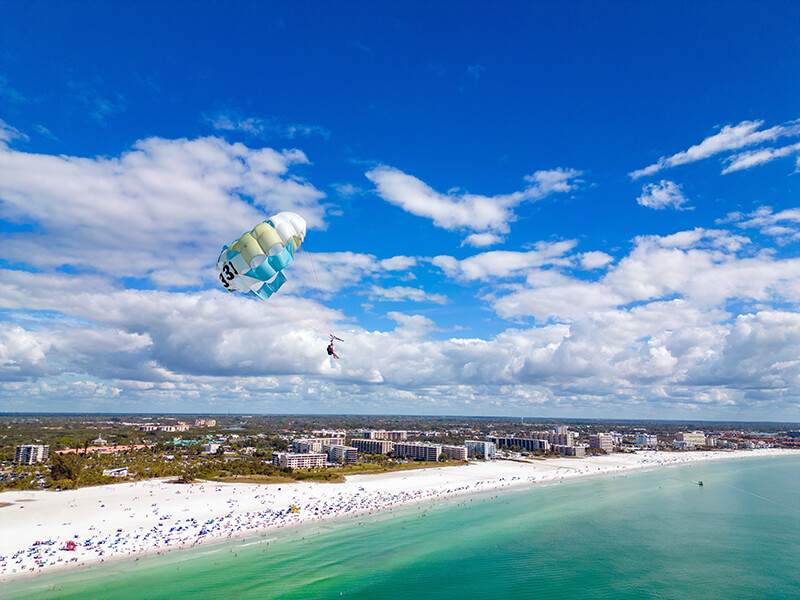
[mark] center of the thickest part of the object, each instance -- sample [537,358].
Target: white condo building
[529,444]
[649,440]
[306,445]
[382,434]
[561,438]
[342,454]
[29,454]
[372,446]
[604,441]
[455,452]
[293,460]
[417,451]
[480,449]
[695,438]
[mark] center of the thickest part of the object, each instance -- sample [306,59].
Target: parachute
[254,264]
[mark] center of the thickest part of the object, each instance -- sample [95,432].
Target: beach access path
[46,530]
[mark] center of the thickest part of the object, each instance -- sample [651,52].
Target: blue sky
[582,209]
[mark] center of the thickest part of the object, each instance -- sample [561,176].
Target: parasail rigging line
[311,273]
[292,317]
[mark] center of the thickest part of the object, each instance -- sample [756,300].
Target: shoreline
[138,519]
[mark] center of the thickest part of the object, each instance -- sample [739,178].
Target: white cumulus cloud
[665,194]
[488,216]
[157,211]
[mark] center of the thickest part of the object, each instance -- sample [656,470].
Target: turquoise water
[653,534]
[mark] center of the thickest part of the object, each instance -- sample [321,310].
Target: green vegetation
[245,444]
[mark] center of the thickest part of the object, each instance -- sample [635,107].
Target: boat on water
[700,482]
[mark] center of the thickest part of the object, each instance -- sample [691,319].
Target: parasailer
[255,263]
[331,351]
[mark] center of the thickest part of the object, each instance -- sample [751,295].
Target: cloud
[594,260]
[331,272]
[730,137]
[98,106]
[783,225]
[706,268]
[476,71]
[346,190]
[361,47]
[402,293]
[22,353]
[265,127]
[746,160]
[701,321]
[500,264]
[666,194]
[487,215]
[9,93]
[9,133]
[157,212]
[482,240]
[398,263]
[544,183]
[652,332]
[45,132]
[760,349]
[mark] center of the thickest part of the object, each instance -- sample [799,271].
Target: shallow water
[648,534]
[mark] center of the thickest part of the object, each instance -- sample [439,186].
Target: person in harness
[331,351]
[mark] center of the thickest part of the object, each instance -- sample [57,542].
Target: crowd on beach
[242,510]
[169,531]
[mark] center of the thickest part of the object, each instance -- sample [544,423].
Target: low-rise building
[211,448]
[29,454]
[294,460]
[571,450]
[117,472]
[105,449]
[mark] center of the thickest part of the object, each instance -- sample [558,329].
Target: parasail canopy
[254,264]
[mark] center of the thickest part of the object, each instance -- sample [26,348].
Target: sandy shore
[130,520]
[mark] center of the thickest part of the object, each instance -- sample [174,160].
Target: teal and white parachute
[254,263]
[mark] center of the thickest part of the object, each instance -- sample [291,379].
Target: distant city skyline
[545,209]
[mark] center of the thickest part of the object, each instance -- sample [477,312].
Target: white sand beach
[45,530]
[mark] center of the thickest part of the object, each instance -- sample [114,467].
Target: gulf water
[648,534]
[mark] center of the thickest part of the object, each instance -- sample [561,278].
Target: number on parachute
[229,271]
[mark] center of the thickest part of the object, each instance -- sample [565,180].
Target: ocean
[641,535]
